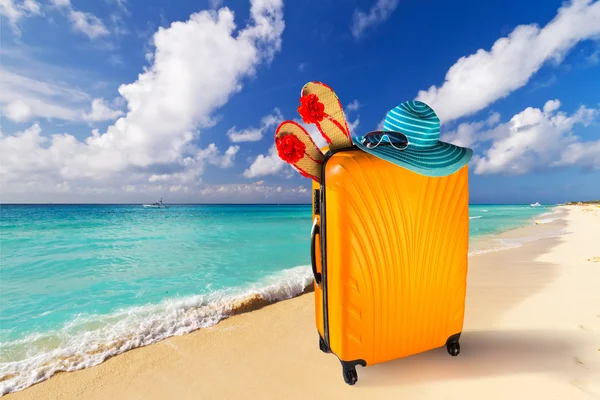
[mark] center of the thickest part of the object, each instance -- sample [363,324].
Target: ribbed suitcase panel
[397,245]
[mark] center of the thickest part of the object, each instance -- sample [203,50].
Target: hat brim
[440,160]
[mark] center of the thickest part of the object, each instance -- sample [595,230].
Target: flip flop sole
[310,164]
[334,126]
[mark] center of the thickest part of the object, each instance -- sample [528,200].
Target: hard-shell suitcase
[389,254]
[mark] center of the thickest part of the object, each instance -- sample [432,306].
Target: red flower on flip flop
[311,109]
[290,148]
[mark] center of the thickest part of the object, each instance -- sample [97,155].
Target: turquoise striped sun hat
[425,154]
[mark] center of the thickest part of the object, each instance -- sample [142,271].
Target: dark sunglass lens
[376,138]
[396,138]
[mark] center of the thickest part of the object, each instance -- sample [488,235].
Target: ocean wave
[498,247]
[89,340]
[475,217]
[499,244]
[547,217]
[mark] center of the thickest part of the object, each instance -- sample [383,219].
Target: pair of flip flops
[319,105]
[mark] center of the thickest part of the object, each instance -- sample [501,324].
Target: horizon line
[243,204]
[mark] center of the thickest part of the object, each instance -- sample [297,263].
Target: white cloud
[248,192]
[466,134]
[594,58]
[379,13]
[23,98]
[169,102]
[247,135]
[214,4]
[195,165]
[585,155]
[263,165]
[15,10]
[18,111]
[551,106]
[119,27]
[212,156]
[353,106]
[101,112]
[476,81]
[31,6]
[255,134]
[24,156]
[88,24]
[84,22]
[494,118]
[122,6]
[536,139]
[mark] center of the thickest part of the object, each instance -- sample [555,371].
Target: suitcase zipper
[324,253]
[323,237]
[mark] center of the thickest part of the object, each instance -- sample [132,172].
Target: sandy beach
[532,331]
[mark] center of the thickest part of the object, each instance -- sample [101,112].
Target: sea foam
[91,339]
[548,218]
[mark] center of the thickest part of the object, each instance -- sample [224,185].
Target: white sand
[532,331]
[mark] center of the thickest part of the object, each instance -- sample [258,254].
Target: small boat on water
[536,204]
[158,204]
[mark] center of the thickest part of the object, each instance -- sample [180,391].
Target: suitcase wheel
[349,370]
[323,346]
[453,348]
[350,376]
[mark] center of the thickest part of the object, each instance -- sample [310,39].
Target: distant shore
[531,328]
[583,203]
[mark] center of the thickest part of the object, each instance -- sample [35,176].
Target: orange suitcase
[389,254]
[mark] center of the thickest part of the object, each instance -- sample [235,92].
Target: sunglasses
[395,139]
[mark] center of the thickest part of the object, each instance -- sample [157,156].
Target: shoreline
[531,328]
[536,228]
[189,317]
[250,304]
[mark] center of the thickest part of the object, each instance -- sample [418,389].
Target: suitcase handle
[316,230]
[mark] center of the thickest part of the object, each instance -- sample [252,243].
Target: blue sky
[130,101]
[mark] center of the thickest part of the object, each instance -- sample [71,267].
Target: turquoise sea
[80,283]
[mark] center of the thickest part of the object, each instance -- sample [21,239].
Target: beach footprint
[583,380]
[586,386]
[579,362]
[594,259]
